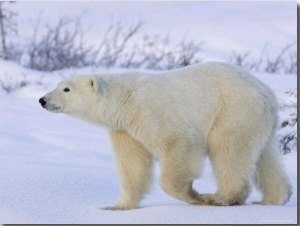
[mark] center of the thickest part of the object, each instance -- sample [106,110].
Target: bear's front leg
[134,164]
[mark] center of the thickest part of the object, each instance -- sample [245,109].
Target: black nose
[42,102]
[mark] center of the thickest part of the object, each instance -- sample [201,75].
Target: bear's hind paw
[258,203]
[117,207]
[214,200]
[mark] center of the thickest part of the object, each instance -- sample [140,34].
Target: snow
[56,169]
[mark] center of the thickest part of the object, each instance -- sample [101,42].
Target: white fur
[180,117]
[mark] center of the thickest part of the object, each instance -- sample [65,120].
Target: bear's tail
[270,177]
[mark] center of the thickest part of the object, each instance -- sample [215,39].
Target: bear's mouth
[53,108]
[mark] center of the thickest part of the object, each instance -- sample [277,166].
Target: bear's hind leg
[134,165]
[180,165]
[233,157]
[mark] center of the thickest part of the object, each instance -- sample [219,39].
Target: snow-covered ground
[55,169]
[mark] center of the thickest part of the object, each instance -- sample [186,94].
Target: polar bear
[181,116]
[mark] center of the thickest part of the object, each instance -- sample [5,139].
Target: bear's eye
[66,89]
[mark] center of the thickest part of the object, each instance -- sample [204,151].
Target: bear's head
[74,96]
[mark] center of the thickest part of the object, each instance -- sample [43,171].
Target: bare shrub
[62,46]
[288,142]
[8,84]
[276,64]
[288,106]
[288,131]
[284,62]
[122,46]
[8,26]
[241,59]
[160,53]
[14,52]
[291,65]
[183,54]
[59,46]
[115,43]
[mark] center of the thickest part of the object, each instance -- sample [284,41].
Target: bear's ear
[98,85]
